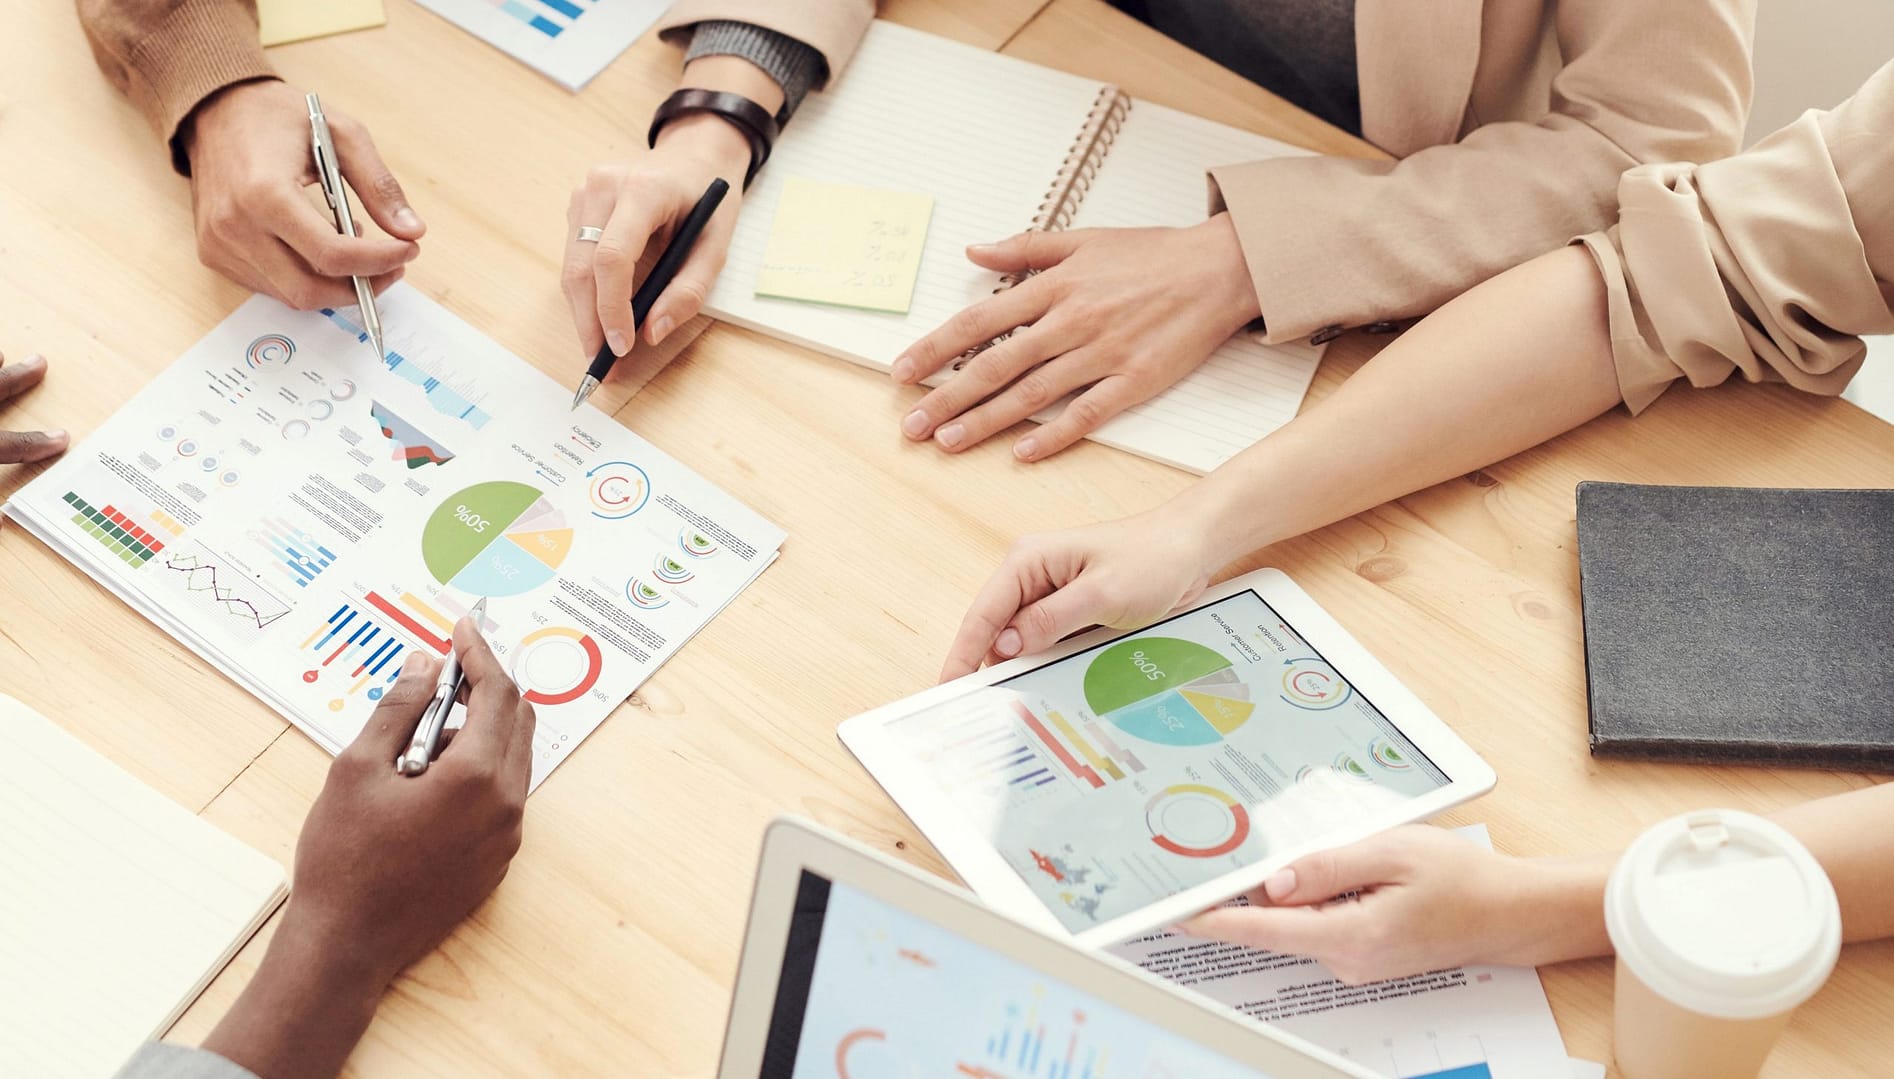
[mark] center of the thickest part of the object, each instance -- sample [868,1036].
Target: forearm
[1514,362]
[304,1010]
[1849,835]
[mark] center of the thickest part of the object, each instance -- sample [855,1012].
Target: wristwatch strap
[753,120]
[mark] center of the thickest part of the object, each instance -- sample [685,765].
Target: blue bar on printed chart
[1470,1071]
[565,7]
[526,15]
[301,557]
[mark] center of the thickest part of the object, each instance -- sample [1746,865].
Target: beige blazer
[1770,263]
[1511,121]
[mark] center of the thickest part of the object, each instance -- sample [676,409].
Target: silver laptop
[858,967]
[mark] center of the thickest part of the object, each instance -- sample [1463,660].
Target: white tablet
[857,967]
[1124,781]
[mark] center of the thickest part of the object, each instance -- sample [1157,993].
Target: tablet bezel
[791,846]
[973,856]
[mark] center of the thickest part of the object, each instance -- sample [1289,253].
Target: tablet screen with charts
[1127,780]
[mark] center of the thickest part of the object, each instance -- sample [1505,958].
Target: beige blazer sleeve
[831,27]
[169,55]
[1335,241]
[1769,264]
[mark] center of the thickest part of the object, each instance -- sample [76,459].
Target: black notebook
[1739,624]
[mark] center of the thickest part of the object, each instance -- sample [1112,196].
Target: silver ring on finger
[590,234]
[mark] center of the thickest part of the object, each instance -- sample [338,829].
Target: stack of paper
[306,515]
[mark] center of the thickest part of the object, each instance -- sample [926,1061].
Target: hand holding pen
[431,728]
[248,147]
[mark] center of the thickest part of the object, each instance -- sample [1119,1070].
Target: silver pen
[427,732]
[329,172]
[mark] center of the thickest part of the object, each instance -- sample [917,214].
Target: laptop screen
[869,991]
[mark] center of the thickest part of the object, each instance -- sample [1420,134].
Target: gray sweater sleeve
[161,1060]
[796,67]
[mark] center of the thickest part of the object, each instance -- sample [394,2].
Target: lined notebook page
[1155,174]
[117,905]
[986,135]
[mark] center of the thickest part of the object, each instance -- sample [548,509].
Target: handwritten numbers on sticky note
[845,245]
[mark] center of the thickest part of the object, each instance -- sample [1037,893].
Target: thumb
[1326,874]
[1034,250]
[1045,623]
[373,182]
[387,732]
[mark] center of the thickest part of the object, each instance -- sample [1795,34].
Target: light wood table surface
[611,947]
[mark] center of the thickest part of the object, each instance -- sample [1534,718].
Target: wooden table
[611,947]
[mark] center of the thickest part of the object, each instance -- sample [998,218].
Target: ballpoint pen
[656,282]
[427,732]
[329,172]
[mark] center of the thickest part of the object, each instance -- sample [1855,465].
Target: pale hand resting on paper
[22,447]
[258,225]
[1054,585]
[386,866]
[1416,899]
[637,204]
[1120,314]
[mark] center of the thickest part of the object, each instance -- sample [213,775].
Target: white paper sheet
[305,515]
[569,41]
[1463,1023]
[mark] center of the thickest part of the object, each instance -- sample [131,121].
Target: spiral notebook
[117,905]
[1004,145]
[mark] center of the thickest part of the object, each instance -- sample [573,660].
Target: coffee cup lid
[1725,914]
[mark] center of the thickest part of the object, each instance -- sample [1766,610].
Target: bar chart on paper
[569,41]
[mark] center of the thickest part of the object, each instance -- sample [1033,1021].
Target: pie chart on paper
[1168,691]
[496,539]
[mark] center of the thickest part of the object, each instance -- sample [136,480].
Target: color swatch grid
[119,534]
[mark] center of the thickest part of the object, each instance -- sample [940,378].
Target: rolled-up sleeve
[1771,264]
[169,55]
[159,1060]
[831,27]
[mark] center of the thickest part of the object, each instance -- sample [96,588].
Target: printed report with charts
[305,516]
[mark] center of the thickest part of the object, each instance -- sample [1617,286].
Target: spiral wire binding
[1061,203]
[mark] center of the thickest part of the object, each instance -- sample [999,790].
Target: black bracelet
[753,120]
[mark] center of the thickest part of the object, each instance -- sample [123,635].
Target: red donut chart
[561,638]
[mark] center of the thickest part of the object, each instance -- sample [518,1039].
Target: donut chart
[1312,684]
[1192,820]
[1168,691]
[618,489]
[496,539]
[556,665]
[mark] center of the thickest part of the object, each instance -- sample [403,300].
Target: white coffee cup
[1723,924]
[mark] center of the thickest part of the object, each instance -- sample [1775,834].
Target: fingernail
[915,425]
[407,218]
[982,249]
[1008,644]
[903,370]
[661,328]
[616,341]
[950,435]
[33,362]
[57,434]
[1281,883]
[1026,448]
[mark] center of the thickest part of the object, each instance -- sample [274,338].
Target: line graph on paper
[216,582]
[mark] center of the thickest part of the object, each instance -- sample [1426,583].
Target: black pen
[659,279]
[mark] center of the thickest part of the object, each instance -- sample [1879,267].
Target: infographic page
[1135,770]
[307,515]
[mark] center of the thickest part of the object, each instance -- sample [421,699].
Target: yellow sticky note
[845,245]
[283,21]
